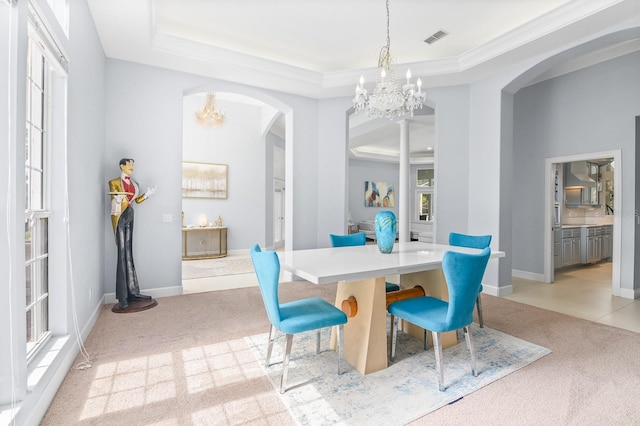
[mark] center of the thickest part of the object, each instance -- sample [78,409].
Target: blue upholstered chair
[292,317]
[473,241]
[357,239]
[463,273]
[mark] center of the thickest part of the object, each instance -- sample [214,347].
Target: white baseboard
[526,275]
[629,293]
[497,291]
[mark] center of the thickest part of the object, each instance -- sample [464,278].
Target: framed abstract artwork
[204,180]
[378,194]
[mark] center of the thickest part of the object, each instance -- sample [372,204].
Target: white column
[404,196]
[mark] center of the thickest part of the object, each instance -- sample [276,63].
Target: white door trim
[617,217]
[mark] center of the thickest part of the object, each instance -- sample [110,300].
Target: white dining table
[360,272]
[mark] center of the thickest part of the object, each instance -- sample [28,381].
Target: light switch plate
[167,217]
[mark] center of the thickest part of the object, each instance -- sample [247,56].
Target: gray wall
[273,170]
[331,168]
[589,110]
[144,121]
[452,160]
[316,139]
[636,244]
[86,129]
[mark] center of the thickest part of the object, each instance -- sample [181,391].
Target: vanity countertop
[583,226]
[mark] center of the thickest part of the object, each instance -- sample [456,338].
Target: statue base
[135,306]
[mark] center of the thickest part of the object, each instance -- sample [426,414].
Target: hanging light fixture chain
[388,36]
[389,98]
[385,60]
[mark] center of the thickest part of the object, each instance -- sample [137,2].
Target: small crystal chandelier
[389,99]
[210,115]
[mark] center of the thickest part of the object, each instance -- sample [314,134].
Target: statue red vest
[115,185]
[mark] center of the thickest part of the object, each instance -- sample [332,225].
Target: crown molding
[565,26]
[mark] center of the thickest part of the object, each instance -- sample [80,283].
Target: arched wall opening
[548,147]
[372,152]
[267,113]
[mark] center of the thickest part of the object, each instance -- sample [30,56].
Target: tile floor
[226,282]
[583,292]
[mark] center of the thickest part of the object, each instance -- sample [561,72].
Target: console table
[205,242]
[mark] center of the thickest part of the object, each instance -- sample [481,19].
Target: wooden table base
[365,334]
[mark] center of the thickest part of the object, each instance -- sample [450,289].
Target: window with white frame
[37,202]
[424,195]
[60,10]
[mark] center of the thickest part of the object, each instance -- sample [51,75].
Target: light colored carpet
[202,268]
[317,395]
[186,362]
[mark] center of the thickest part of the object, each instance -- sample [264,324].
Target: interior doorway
[373,152]
[278,213]
[556,203]
[252,152]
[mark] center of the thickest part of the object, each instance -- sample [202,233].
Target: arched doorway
[373,152]
[250,147]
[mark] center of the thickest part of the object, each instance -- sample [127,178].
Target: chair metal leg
[437,349]
[426,339]
[285,363]
[272,336]
[340,336]
[394,337]
[479,308]
[318,341]
[472,350]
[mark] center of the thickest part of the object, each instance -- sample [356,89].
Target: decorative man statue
[124,191]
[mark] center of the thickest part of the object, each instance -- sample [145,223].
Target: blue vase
[385,231]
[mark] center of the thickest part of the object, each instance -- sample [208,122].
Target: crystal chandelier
[210,115]
[389,99]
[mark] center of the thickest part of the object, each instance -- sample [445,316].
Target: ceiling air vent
[435,37]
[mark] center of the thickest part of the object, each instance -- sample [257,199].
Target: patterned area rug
[215,267]
[405,391]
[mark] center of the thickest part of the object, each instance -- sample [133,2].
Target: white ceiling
[320,48]
[338,35]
